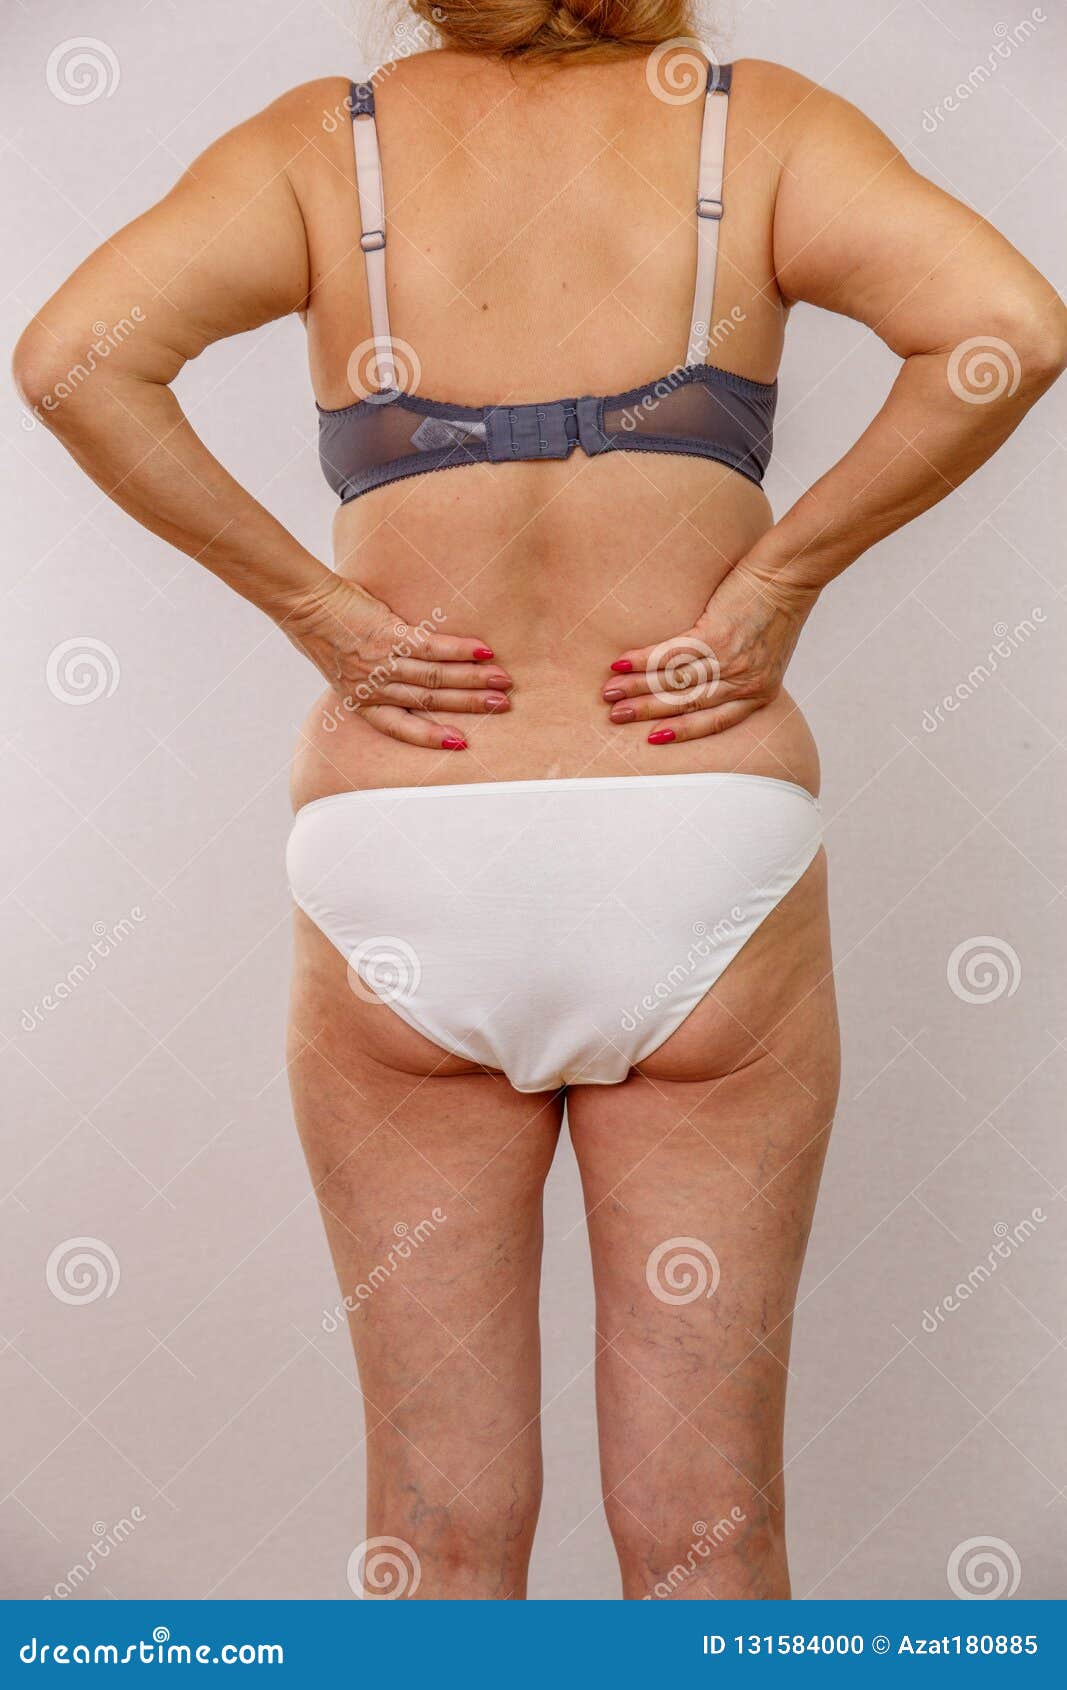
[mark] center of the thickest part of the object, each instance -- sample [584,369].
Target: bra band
[709,211]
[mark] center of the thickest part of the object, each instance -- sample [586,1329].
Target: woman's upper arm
[225,250]
[858,231]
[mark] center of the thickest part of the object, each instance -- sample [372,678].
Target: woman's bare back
[542,241]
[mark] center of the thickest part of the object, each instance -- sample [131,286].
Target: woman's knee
[472,1545]
[734,1552]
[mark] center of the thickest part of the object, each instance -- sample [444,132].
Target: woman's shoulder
[316,107]
[775,100]
[776,89]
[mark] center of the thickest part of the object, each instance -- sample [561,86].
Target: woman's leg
[429,1174]
[700,1176]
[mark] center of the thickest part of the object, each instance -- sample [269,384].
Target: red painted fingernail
[622,666]
[452,742]
[612,693]
[662,736]
[482,651]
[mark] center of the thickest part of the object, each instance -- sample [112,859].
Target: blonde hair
[556,29]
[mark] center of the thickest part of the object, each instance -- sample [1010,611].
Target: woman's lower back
[560,567]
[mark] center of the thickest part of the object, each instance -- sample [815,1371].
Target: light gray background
[149,1109]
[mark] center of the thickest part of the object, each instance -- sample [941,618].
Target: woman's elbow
[63,375]
[48,371]
[1034,326]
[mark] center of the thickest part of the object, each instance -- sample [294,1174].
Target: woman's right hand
[393,674]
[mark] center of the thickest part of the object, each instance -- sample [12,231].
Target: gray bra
[696,409]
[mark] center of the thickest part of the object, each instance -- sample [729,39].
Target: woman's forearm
[934,430]
[133,438]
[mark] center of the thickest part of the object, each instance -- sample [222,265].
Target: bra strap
[372,220]
[709,209]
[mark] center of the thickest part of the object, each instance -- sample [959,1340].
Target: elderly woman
[558,836]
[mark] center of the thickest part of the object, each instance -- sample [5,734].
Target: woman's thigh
[700,1175]
[429,1174]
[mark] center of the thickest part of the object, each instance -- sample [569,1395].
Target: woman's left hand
[728,665]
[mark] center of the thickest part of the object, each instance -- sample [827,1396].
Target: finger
[643,657]
[445,698]
[678,683]
[442,648]
[414,730]
[649,707]
[703,723]
[683,664]
[461,677]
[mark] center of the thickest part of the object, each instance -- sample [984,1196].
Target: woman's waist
[551,731]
